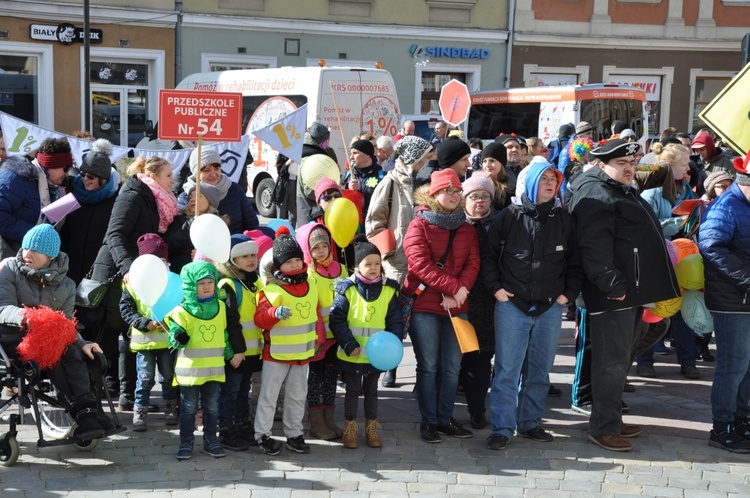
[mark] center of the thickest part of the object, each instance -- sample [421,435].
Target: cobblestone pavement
[670,458]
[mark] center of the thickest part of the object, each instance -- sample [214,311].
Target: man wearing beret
[627,267]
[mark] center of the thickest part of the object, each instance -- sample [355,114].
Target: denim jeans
[730,393]
[146,363]
[234,397]
[438,365]
[525,349]
[209,400]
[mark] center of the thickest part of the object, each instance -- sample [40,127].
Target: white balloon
[210,236]
[148,277]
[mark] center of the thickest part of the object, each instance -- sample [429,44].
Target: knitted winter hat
[285,248]
[97,164]
[152,243]
[210,192]
[320,133]
[364,146]
[43,239]
[583,127]
[259,237]
[479,181]
[363,248]
[451,150]
[60,160]
[319,235]
[411,149]
[496,151]
[323,185]
[717,176]
[241,245]
[208,156]
[443,179]
[742,165]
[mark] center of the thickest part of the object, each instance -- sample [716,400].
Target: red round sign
[454,102]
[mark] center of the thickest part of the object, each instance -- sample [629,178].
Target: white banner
[287,134]
[22,137]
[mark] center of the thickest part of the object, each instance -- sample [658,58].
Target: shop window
[227,62]
[432,83]
[706,89]
[19,87]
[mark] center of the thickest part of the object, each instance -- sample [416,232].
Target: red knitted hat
[443,179]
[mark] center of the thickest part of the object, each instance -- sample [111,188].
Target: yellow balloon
[665,309]
[342,219]
[689,272]
[318,166]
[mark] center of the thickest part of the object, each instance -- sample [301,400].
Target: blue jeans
[525,349]
[730,393]
[146,363]
[234,402]
[438,365]
[209,399]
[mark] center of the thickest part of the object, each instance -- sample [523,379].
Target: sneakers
[646,371]
[538,434]
[231,440]
[246,431]
[454,429]
[297,445]
[139,419]
[554,392]
[389,379]
[269,446]
[661,349]
[690,372]
[583,408]
[213,448]
[730,439]
[124,405]
[497,442]
[742,428]
[185,452]
[429,433]
[477,420]
[628,388]
[172,412]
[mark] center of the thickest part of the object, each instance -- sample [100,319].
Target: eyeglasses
[89,176]
[479,198]
[548,179]
[330,197]
[453,192]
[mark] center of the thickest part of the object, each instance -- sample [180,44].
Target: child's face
[246,262]
[35,260]
[202,203]
[320,252]
[291,265]
[206,288]
[369,267]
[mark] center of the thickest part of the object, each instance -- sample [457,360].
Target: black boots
[87,425]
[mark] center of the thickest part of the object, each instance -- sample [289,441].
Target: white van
[366,100]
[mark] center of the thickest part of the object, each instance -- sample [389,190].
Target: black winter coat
[532,255]
[621,245]
[481,300]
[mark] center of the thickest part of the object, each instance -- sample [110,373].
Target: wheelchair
[28,388]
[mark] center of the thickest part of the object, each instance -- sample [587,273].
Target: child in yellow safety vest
[320,256]
[289,314]
[149,341]
[204,334]
[364,304]
[239,279]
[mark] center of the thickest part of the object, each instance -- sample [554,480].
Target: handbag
[90,293]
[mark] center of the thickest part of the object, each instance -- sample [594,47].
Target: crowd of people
[511,235]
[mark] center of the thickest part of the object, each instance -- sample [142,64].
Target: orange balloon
[684,247]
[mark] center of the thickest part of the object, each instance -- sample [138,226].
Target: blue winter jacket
[724,242]
[19,199]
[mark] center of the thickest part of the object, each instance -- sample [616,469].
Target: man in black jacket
[621,246]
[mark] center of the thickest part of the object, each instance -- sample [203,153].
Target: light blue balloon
[171,297]
[384,350]
[276,223]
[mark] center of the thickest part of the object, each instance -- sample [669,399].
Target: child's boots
[350,434]
[328,411]
[172,411]
[318,426]
[371,434]
[139,418]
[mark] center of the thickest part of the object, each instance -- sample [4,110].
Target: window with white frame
[26,82]
[227,62]
[704,86]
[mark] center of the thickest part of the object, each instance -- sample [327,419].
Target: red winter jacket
[424,245]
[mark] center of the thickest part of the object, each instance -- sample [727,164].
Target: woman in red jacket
[442,253]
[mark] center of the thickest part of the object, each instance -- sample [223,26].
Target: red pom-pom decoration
[282,230]
[50,333]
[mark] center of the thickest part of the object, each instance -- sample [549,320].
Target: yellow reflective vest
[327,290]
[202,359]
[248,302]
[293,339]
[146,340]
[365,318]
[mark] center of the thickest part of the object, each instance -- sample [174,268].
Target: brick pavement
[671,457]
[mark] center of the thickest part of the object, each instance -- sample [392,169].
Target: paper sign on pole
[286,135]
[729,113]
[184,114]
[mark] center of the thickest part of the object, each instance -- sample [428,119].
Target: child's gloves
[283,313]
[182,337]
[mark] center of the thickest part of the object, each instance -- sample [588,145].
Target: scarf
[166,203]
[223,185]
[368,281]
[43,186]
[292,278]
[450,221]
[91,197]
